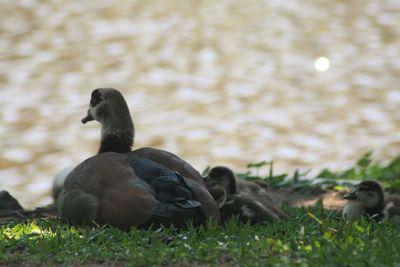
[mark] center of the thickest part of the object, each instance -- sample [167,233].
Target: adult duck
[127,188]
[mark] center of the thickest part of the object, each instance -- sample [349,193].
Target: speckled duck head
[108,107]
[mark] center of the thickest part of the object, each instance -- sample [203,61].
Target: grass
[314,236]
[365,168]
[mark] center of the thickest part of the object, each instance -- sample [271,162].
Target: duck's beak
[88,117]
[350,196]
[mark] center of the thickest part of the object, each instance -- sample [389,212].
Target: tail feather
[77,206]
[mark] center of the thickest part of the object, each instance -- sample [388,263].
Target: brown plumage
[127,188]
[247,200]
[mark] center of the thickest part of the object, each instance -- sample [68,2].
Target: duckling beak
[88,117]
[350,196]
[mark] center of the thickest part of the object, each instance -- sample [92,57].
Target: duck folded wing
[166,172]
[191,176]
[169,186]
[170,161]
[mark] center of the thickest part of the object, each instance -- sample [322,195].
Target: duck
[125,188]
[368,199]
[246,200]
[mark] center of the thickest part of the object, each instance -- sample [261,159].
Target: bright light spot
[322,64]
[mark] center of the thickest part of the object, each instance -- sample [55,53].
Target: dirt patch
[307,197]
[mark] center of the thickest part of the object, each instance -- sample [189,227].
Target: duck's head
[221,176]
[368,192]
[107,105]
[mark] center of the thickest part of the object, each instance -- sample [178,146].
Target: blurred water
[226,82]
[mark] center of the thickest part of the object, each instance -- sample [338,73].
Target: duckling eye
[370,194]
[96,98]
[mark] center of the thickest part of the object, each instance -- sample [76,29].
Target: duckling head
[368,192]
[108,107]
[223,177]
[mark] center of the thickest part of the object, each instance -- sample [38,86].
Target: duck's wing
[191,176]
[171,162]
[169,186]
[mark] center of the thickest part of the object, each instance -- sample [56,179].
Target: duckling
[127,188]
[368,199]
[224,176]
[243,199]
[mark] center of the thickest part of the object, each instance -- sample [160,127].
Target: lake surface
[215,82]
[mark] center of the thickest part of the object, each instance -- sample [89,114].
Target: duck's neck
[117,136]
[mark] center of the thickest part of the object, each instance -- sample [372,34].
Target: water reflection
[322,64]
[217,83]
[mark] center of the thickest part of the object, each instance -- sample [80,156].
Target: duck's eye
[370,194]
[96,98]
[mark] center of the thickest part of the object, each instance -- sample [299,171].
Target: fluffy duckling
[224,176]
[368,199]
[127,188]
[243,199]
